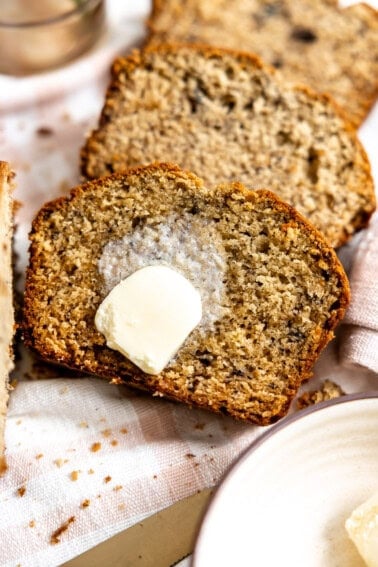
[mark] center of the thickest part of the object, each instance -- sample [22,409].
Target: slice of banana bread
[315,42]
[272,289]
[227,117]
[6,297]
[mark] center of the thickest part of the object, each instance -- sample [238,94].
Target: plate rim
[262,439]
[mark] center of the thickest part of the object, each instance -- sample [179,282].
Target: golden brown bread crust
[97,159]
[237,368]
[357,99]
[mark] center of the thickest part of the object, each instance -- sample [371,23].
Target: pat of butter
[362,528]
[148,316]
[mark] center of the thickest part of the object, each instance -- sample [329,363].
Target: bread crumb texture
[283,289]
[227,117]
[21,491]
[74,475]
[57,534]
[327,391]
[310,41]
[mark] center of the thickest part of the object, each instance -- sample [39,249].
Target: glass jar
[40,35]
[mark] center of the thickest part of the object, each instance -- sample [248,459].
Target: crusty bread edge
[160,390]
[128,64]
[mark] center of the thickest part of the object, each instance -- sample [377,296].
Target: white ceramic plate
[286,500]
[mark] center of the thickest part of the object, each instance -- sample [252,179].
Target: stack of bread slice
[228,117]
[265,178]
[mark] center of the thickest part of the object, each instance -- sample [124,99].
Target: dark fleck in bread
[6,296]
[314,42]
[227,117]
[272,289]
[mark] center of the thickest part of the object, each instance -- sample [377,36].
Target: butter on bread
[148,316]
[6,296]
[226,116]
[272,289]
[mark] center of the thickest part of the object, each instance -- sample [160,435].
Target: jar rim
[81,7]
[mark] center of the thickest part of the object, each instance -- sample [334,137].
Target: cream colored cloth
[85,455]
[359,344]
[106,457]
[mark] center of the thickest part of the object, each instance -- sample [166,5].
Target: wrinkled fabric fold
[359,340]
